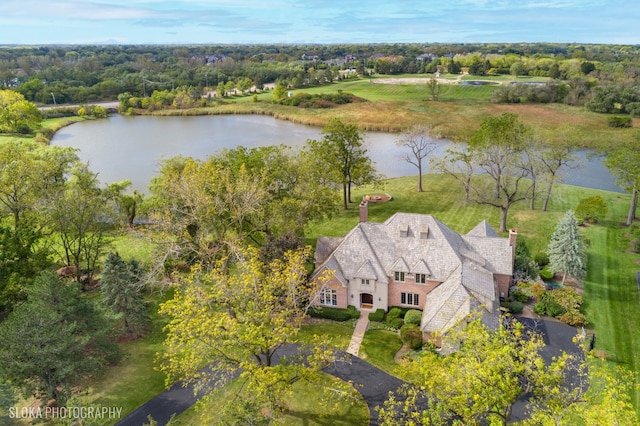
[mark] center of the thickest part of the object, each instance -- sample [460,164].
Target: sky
[318,21]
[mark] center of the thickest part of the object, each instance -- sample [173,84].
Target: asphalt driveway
[373,383]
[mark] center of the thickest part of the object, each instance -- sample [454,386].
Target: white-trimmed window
[329,297]
[410,299]
[421,278]
[398,276]
[364,281]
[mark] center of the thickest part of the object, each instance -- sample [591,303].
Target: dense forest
[604,78]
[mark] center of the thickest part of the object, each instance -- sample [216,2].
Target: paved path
[358,333]
[373,383]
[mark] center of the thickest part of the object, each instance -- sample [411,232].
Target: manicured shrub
[395,323]
[513,307]
[546,273]
[355,314]
[521,295]
[336,314]
[395,312]
[403,310]
[538,290]
[411,336]
[413,316]
[574,318]
[378,315]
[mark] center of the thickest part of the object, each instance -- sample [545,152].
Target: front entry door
[366,301]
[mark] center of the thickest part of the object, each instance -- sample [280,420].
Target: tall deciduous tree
[54,340]
[552,160]
[237,197]
[459,163]
[121,288]
[28,174]
[80,216]
[417,144]
[235,322]
[567,250]
[342,154]
[498,148]
[17,114]
[624,163]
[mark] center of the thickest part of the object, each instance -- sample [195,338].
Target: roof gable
[483,229]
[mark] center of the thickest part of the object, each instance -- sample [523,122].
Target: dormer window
[399,276]
[424,233]
[421,278]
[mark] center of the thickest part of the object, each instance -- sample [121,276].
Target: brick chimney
[364,211]
[513,235]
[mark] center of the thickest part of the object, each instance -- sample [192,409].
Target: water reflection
[131,148]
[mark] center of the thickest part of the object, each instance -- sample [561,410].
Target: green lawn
[379,348]
[338,333]
[135,380]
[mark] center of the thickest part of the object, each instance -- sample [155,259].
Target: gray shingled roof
[483,229]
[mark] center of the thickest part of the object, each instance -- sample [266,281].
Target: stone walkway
[358,333]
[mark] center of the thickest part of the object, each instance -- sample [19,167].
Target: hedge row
[336,314]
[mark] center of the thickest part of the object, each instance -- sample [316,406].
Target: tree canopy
[54,340]
[235,323]
[498,148]
[342,155]
[17,115]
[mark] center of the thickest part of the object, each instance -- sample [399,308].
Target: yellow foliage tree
[238,323]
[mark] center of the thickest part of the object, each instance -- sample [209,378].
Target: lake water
[120,148]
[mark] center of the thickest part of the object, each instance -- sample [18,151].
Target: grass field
[457,114]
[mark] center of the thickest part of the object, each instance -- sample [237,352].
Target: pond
[478,83]
[132,148]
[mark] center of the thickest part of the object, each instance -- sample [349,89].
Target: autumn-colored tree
[479,383]
[235,323]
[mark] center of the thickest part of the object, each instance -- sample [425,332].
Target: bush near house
[411,336]
[336,314]
[413,316]
[378,315]
[394,317]
[514,307]
[564,304]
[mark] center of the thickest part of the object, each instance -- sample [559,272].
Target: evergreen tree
[54,340]
[567,250]
[121,290]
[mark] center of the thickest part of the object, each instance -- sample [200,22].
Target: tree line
[603,77]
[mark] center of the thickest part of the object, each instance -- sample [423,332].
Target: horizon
[296,22]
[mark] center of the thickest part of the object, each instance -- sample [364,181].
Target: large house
[414,260]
